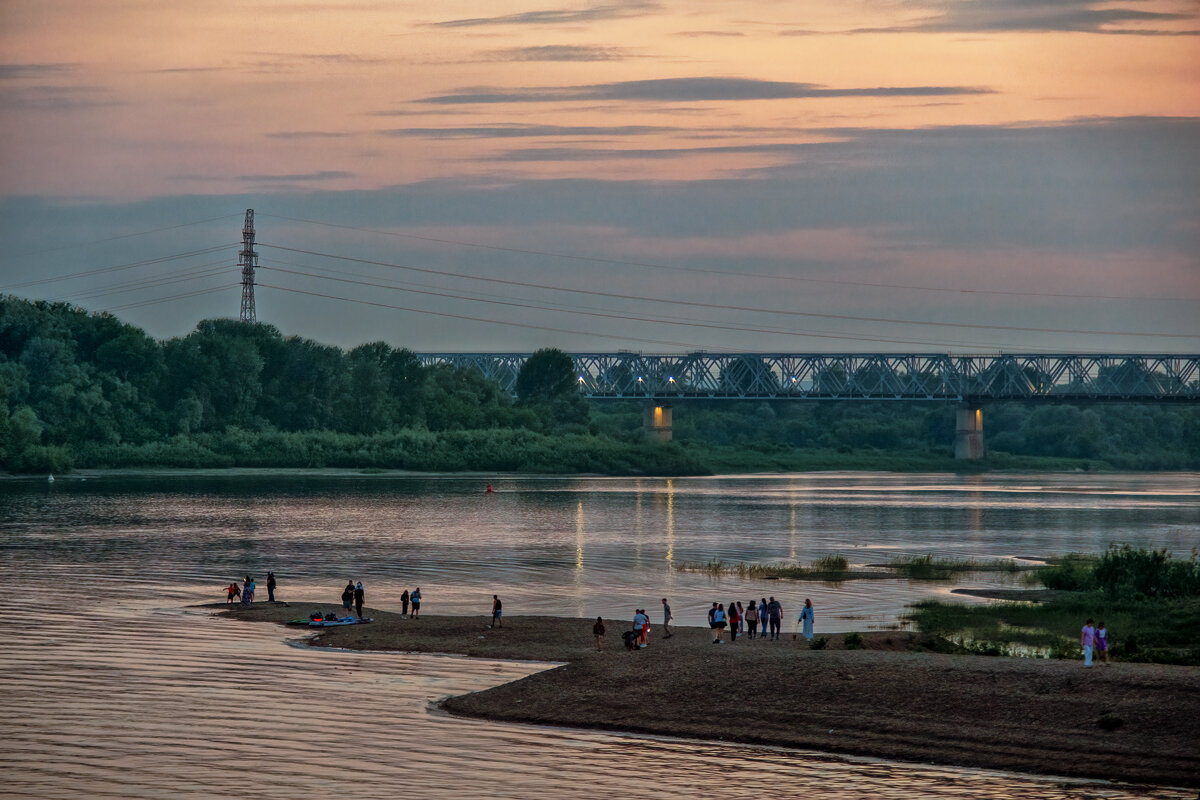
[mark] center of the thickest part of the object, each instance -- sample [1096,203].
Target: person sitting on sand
[348,597]
[751,619]
[598,632]
[497,613]
[231,592]
[415,599]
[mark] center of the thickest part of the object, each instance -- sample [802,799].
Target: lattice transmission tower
[248,260]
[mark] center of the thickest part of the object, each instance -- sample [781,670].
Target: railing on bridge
[865,376]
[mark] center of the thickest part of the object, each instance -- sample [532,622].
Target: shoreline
[896,699]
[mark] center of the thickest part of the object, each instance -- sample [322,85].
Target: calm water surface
[113,688]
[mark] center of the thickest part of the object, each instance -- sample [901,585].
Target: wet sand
[1126,722]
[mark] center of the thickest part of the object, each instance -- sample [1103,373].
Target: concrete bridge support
[968,433]
[658,420]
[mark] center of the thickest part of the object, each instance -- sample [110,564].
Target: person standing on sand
[1087,638]
[348,596]
[270,587]
[415,599]
[231,592]
[735,619]
[639,627]
[598,632]
[667,619]
[1102,641]
[404,604]
[806,619]
[751,619]
[741,617]
[763,616]
[720,621]
[497,613]
[248,591]
[775,612]
[359,595]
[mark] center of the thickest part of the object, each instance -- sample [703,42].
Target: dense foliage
[90,390]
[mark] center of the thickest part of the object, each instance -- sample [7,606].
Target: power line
[728,307]
[204,271]
[117,267]
[726,273]
[709,324]
[172,298]
[690,345]
[122,236]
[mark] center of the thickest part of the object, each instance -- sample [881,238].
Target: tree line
[87,389]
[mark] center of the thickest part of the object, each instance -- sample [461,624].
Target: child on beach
[232,592]
[598,632]
[1102,640]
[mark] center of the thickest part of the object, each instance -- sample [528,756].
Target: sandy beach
[893,699]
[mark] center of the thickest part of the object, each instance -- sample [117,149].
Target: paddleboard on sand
[329,623]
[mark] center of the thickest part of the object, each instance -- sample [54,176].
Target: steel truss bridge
[862,376]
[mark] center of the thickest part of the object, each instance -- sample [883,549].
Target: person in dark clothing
[358,599]
[404,603]
[271,587]
[598,632]
[348,597]
[497,613]
[775,612]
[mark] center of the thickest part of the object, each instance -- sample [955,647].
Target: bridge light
[670,380]
[639,378]
[581,379]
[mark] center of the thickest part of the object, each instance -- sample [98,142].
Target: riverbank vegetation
[835,568]
[88,390]
[1149,601]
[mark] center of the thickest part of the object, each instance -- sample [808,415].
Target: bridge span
[969,380]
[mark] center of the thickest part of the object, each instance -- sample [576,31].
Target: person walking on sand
[667,619]
[775,612]
[741,617]
[598,632]
[348,596]
[720,621]
[806,619]
[415,599]
[1102,641]
[404,604]
[751,619]
[231,592]
[763,616]
[270,587]
[1087,639]
[734,620]
[359,595]
[497,613]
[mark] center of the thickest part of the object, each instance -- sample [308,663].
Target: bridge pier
[968,432]
[657,418]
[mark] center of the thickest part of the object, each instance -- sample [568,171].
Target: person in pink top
[1087,638]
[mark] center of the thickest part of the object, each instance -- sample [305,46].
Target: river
[114,687]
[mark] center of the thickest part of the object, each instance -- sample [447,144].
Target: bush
[819,643]
[853,641]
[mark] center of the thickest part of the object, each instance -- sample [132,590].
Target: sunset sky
[926,175]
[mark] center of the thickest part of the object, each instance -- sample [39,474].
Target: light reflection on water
[111,691]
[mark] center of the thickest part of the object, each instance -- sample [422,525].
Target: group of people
[1094,639]
[410,599]
[247,589]
[353,595]
[736,619]
[765,616]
